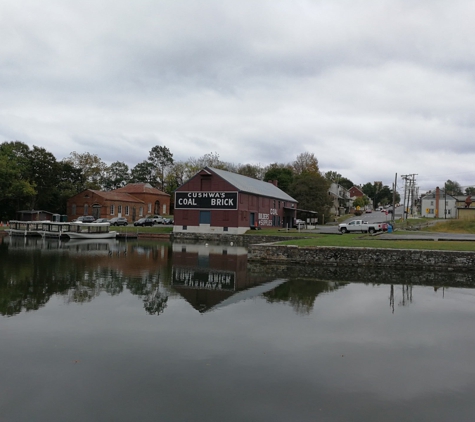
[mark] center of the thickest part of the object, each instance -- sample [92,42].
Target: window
[431,203]
[149,208]
[164,208]
[431,211]
[112,210]
[86,209]
[141,212]
[119,209]
[126,210]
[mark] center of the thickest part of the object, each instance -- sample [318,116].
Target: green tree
[311,191]
[453,188]
[17,190]
[250,170]
[305,162]
[92,167]
[336,177]
[208,160]
[143,173]
[470,190]
[177,174]
[283,173]
[361,201]
[333,176]
[346,183]
[116,176]
[70,181]
[161,158]
[43,171]
[379,194]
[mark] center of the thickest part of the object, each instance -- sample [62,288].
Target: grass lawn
[358,240]
[139,229]
[368,241]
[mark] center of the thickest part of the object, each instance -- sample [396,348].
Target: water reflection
[233,341]
[207,277]
[35,269]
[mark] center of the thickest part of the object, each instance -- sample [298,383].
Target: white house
[341,199]
[438,204]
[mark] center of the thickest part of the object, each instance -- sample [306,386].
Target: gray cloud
[372,88]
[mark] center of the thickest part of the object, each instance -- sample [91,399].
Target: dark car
[144,222]
[168,220]
[84,219]
[118,221]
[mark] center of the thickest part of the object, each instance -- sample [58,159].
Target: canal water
[151,331]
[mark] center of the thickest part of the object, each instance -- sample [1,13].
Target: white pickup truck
[360,226]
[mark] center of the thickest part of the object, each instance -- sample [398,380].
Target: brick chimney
[274,182]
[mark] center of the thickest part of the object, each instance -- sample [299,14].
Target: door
[205,217]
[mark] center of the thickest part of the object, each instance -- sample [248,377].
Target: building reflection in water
[208,277]
[213,276]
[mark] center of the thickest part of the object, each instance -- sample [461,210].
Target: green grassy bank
[406,227]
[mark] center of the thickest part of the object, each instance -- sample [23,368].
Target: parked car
[299,224]
[84,219]
[168,220]
[102,220]
[144,222]
[157,219]
[368,211]
[118,221]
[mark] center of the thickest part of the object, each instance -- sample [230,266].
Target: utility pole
[394,199]
[409,191]
[404,214]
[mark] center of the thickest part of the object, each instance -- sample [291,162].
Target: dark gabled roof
[250,185]
[140,188]
[117,196]
[431,195]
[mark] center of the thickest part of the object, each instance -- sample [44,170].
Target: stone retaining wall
[364,257]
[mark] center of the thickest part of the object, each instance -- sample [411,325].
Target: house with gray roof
[222,202]
[438,204]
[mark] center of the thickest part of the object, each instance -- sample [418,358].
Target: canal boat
[54,229]
[25,228]
[79,230]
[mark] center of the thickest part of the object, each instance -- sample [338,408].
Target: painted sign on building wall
[267,219]
[206,200]
[203,278]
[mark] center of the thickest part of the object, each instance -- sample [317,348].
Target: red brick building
[218,201]
[132,202]
[355,192]
[156,201]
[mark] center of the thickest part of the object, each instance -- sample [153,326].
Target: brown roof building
[133,201]
[218,201]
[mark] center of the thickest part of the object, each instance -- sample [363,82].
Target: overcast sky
[371,87]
